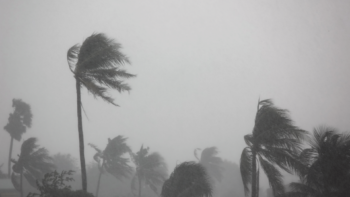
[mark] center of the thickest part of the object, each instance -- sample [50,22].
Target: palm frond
[212,163]
[273,175]
[246,168]
[15,179]
[98,51]
[72,56]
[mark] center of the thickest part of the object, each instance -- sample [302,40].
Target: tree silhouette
[150,169]
[274,141]
[211,162]
[18,122]
[33,163]
[96,65]
[328,165]
[112,159]
[189,179]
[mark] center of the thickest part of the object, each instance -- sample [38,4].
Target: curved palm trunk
[9,163]
[98,183]
[254,176]
[81,138]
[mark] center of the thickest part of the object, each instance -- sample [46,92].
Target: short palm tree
[96,65]
[189,179]
[211,162]
[274,141]
[328,165]
[150,169]
[18,122]
[112,159]
[33,163]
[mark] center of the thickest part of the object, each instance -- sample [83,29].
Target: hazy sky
[201,67]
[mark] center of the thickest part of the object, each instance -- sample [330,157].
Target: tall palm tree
[189,179]
[274,141]
[328,165]
[112,159]
[150,169]
[211,162]
[33,163]
[18,122]
[96,65]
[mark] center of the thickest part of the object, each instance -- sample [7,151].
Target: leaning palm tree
[33,163]
[150,169]
[18,122]
[211,162]
[96,65]
[112,159]
[275,141]
[328,165]
[189,179]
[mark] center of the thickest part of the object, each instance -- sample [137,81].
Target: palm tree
[18,122]
[96,65]
[150,169]
[328,165]
[112,159]
[189,179]
[211,162]
[33,163]
[274,141]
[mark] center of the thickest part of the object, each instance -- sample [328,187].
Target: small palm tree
[150,169]
[189,179]
[33,163]
[274,141]
[211,162]
[112,159]
[19,121]
[96,65]
[328,165]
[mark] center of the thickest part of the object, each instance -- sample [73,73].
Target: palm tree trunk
[98,183]
[81,138]
[9,163]
[21,182]
[139,187]
[254,177]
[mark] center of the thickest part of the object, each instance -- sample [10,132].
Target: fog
[201,68]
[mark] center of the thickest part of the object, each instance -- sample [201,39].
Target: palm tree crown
[96,65]
[274,141]
[211,162]
[189,179]
[112,159]
[150,169]
[33,163]
[328,165]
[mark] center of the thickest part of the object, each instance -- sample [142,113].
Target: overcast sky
[201,67]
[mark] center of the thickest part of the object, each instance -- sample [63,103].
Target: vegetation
[18,122]
[111,159]
[150,169]
[96,66]
[54,185]
[33,163]
[274,141]
[328,165]
[189,179]
[211,162]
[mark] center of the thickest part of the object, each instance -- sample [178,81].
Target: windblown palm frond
[97,65]
[150,169]
[189,179]
[212,163]
[275,141]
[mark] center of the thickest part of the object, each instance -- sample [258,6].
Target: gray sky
[201,66]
